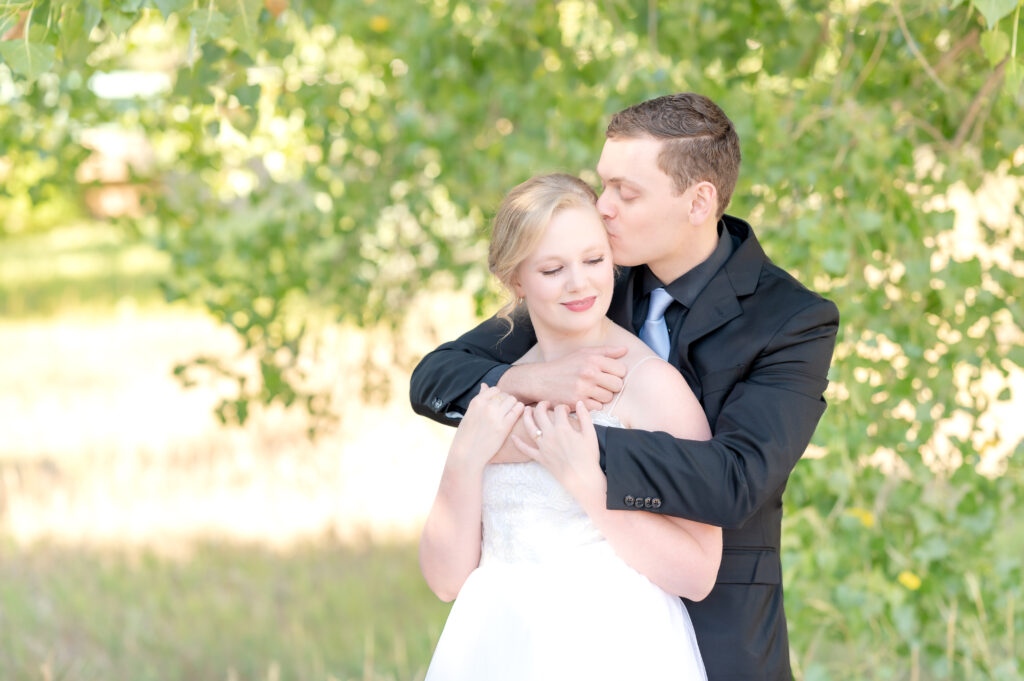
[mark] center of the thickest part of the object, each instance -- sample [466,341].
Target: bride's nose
[575,279]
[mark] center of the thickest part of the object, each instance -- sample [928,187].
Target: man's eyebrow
[622,180]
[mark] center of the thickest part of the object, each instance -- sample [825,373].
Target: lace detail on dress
[528,516]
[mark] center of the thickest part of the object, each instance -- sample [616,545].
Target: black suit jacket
[755,347]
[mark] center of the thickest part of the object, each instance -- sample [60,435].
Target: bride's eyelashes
[556,270]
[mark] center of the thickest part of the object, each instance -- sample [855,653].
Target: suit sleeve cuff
[490,378]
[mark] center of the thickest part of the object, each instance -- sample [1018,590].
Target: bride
[550,584]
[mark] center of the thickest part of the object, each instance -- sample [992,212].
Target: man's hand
[590,375]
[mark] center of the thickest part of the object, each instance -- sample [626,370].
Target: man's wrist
[493,377]
[509,383]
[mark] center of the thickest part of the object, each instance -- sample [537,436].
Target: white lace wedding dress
[551,600]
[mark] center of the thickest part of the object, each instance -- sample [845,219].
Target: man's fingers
[609,382]
[600,396]
[612,367]
[614,351]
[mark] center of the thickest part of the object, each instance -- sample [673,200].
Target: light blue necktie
[654,331]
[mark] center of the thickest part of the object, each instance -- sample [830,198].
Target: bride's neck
[554,345]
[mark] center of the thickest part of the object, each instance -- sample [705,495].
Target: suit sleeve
[445,380]
[761,432]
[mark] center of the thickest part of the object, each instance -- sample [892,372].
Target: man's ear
[705,203]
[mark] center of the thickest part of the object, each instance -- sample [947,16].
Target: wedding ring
[537,435]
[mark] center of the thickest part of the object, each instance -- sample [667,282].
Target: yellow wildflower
[909,580]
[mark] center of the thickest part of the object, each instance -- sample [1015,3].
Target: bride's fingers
[525,449]
[512,415]
[541,417]
[583,415]
[529,421]
[561,418]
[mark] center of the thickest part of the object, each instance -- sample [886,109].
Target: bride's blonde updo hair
[523,216]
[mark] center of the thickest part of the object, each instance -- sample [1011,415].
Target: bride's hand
[566,447]
[488,421]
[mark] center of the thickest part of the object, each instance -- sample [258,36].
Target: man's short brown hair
[701,143]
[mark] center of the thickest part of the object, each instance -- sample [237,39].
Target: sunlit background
[228,230]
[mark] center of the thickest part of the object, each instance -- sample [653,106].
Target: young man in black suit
[751,341]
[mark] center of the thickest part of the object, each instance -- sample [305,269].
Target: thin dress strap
[625,379]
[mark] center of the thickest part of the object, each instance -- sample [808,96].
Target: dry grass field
[141,539]
[100,444]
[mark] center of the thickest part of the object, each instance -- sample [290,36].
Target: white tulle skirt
[586,615]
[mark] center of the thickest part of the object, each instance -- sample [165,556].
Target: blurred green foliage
[344,157]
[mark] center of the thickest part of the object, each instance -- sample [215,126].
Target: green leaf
[168,7]
[994,10]
[245,22]
[27,58]
[835,261]
[248,95]
[209,24]
[995,44]
[74,35]
[119,22]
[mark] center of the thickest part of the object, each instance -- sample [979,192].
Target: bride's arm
[680,556]
[450,542]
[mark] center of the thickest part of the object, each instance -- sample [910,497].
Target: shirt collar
[686,288]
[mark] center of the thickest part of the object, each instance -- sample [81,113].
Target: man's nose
[604,205]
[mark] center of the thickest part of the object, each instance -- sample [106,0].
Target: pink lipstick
[581,305]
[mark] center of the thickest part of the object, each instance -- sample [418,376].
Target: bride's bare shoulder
[636,348]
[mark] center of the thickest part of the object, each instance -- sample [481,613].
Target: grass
[95,434]
[87,266]
[320,611]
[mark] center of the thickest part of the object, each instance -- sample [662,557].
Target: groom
[751,341]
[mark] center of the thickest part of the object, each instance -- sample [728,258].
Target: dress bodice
[528,516]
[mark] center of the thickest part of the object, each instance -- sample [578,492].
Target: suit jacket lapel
[719,302]
[716,305]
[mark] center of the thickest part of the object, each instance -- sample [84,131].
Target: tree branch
[914,49]
[979,100]
[876,54]
[965,43]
